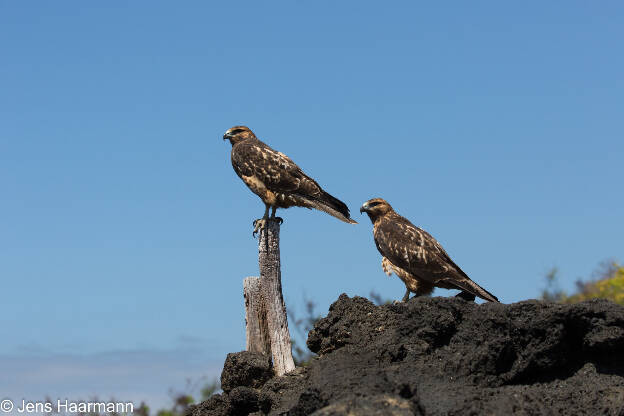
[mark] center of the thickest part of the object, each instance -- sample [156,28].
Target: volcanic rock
[443,356]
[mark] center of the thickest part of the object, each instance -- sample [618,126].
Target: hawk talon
[278,220]
[259,225]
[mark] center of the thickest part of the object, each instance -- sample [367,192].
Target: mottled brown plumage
[276,179]
[415,256]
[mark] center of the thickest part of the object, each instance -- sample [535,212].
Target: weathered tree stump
[265,311]
[255,317]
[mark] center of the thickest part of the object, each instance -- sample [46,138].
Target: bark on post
[265,311]
[255,317]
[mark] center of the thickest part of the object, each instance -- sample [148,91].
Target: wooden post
[255,317]
[265,311]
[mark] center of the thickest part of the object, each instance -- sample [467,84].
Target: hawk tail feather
[333,206]
[470,286]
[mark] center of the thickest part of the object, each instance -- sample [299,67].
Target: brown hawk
[277,180]
[415,256]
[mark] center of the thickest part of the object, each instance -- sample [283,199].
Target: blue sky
[125,233]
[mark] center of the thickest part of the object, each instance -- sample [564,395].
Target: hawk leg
[423,288]
[260,224]
[274,218]
[421,291]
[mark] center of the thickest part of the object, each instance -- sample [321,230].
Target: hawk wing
[255,161]
[411,248]
[416,251]
[274,169]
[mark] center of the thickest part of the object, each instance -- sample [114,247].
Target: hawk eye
[374,204]
[236,131]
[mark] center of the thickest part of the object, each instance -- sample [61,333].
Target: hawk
[277,180]
[415,256]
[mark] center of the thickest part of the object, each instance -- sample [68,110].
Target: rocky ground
[441,356]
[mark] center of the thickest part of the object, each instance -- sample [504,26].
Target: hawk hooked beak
[364,208]
[227,135]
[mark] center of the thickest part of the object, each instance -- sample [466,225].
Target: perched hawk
[277,180]
[415,256]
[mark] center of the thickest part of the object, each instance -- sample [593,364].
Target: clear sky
[125,234]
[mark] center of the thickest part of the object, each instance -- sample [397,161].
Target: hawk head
[375,208]
[237,134]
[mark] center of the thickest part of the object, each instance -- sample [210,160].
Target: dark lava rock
[378,405]
[218,404]
[243,400]
[447,356]
[249,369]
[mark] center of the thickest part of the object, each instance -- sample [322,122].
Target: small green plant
[552,292]
[607,282]
[610,287]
